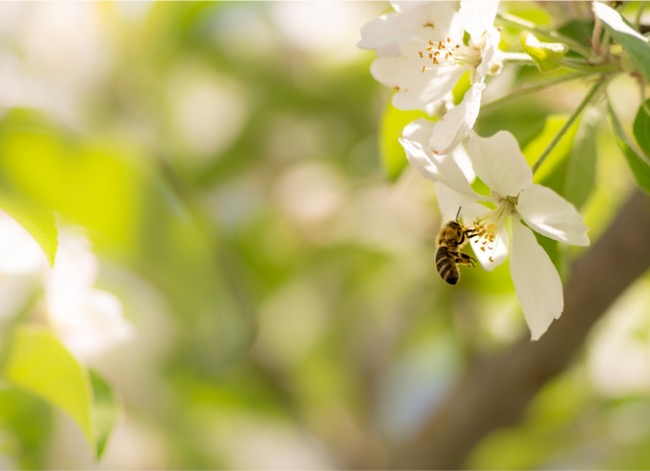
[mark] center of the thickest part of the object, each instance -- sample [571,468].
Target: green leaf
[392,153]
[552,172]
[638,164]
[39,363]
[105,411]
[547,56]
[580,176]
[631,40]
[577,29]
[39,222]
[28,420]
[641,127]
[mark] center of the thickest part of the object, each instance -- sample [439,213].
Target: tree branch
[496,390]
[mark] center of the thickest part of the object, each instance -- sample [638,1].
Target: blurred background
[224,160]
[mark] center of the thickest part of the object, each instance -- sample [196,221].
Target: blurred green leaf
[580,175]
[552,173]
[392,153]
[547,56]
[105,411]
[26,424]
[632,41]
[638,164]
[641,127]
[577,29]
[38,363]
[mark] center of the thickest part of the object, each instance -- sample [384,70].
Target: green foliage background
[281,278]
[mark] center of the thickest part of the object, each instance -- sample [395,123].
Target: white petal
[19,252]
[536,281]
[494,255]
[457,122]
[551,215]
[387,31]
[407,4]
[498,161]
[450,201]
[93,326]
[74,272]
[491,57]
[477,15]
[438,168]
[415,88]
[464,162]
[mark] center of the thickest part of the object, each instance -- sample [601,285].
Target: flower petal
[491,57]
[498,161]
[551,215]
[20,254]
[457,122]
[490,255]
[450,201]
[438,168]
[536,281]
[415,88]
[424,20]
[408,4]
[92,326]
[477,15]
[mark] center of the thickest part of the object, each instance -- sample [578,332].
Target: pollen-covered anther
[439,53]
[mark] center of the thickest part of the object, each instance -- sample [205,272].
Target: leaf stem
[585,101]
[581,65]
[639,14]
[527,90]
[552,35]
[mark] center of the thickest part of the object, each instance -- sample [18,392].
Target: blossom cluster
[423,49]
[88,321]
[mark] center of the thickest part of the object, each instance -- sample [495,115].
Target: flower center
[448,52]
[488,226]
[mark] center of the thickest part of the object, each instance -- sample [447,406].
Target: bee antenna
[458,213]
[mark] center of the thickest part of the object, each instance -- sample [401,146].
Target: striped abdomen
[446,265]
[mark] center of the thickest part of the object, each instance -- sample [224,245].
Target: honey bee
[451,239]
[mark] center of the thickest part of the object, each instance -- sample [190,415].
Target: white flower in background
[19,252]
[21,263]
[88,321]
[499,163]
[422,55]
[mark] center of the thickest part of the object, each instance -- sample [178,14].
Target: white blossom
[422,55]
[499,163]
[88,321]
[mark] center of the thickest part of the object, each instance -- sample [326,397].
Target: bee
[451,239]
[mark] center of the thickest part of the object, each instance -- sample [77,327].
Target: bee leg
[471,233]
[465,259]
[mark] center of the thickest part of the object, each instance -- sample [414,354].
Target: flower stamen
[439,53]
